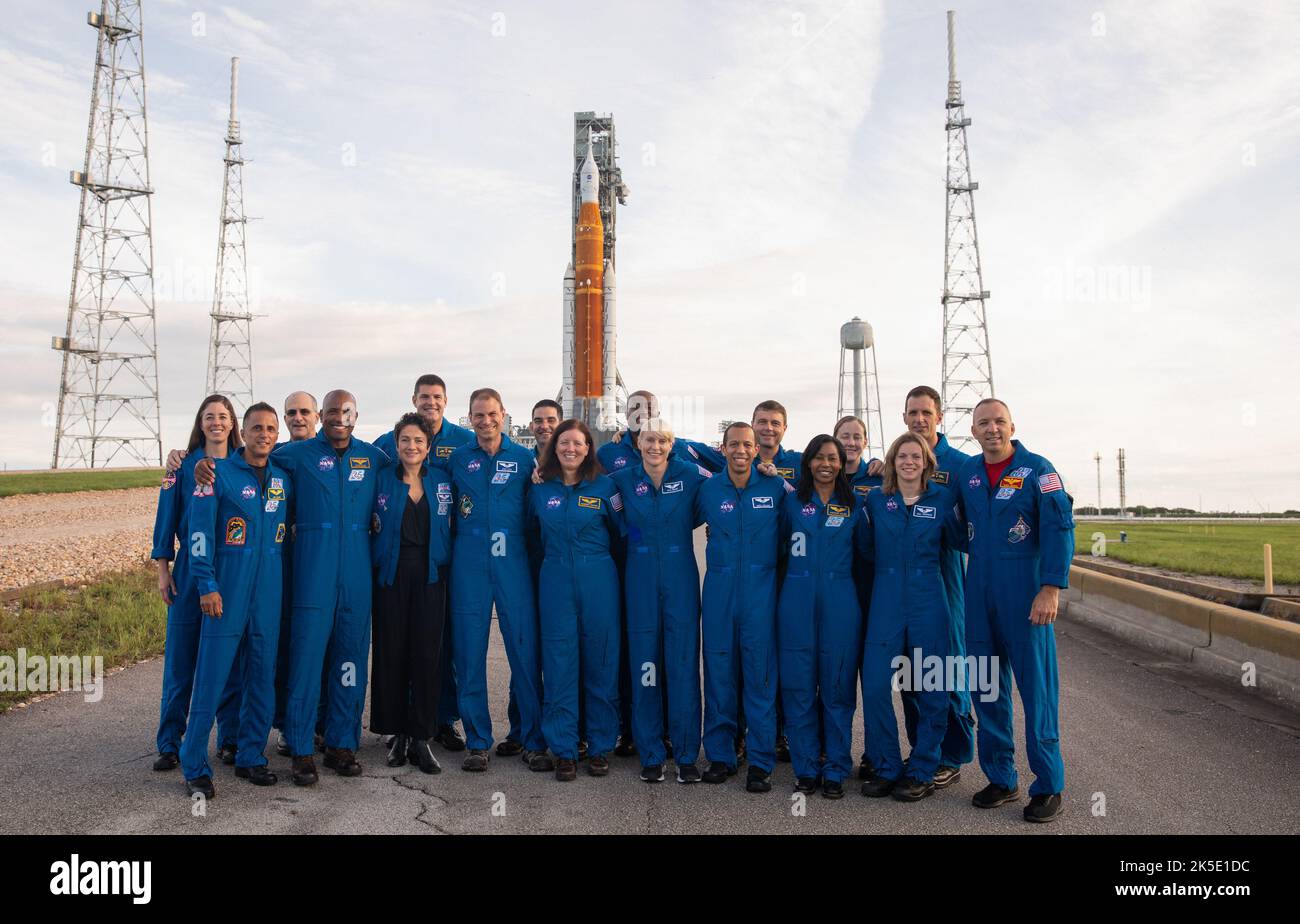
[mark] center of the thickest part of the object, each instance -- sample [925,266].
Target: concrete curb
[1220,640]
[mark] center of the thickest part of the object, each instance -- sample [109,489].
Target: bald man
[334,476]
[1020,532]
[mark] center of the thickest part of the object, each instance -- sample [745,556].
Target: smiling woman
[411,521]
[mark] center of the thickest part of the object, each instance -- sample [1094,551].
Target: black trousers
[406,676]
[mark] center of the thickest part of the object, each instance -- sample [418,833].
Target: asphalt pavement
[1149,747]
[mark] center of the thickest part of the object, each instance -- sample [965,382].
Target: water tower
[858,376]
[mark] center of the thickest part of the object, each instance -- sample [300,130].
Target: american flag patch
[616,501]
[1049,482]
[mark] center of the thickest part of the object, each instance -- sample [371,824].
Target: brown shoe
[304,771]
[566,771]
[342,761]
[598,765]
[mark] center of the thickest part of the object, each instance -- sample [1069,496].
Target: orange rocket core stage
[589,304]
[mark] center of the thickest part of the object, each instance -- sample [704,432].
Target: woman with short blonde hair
[889,478]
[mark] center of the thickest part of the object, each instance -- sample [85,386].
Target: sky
[410,168]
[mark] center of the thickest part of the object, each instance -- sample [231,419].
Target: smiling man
[301,416]
[236,533]
[742,509]
[490,569]
[546,417]
[334,475]
[1020,530]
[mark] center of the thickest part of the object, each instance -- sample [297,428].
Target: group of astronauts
[826,573]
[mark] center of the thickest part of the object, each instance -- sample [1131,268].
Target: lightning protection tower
[108,390]
[230,347]
[967,367]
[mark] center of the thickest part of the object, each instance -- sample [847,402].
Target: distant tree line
[1174,512]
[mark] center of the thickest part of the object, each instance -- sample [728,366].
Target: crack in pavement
[400,781]
[424,807]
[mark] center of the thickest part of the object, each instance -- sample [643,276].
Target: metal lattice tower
[108,391]
[230,347]
[967,366]
[862,383]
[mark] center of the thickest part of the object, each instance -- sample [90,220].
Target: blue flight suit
[184,618]
[909,617]
[490,565]
[390,504]
[819,627]
[959,738]
[332,582]
[448,439]
[864,574]
[237,534]
[662,590]
[614,457]
[862,483]
[738,614]
[1020,537]
[787,461]
[580,528]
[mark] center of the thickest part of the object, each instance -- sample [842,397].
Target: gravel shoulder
[77,536]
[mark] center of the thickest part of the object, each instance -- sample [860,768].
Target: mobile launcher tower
[592,390]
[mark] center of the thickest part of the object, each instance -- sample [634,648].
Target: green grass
[61,482]
[119,618]
[1224,549]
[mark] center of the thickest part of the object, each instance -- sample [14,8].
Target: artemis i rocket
[591,389]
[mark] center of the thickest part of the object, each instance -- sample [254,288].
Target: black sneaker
[652,774]
[742,752]
[688,773]
[449,738]
[566,771]
[509,748]
[757,780]
[668,748]
[258,776]
[832,789]
[201,785]
[476,761]
[282,746]
[626,747]
[806,784]
[539,761]
[582,750]
[782,749]
[717,772]
[1043,808]
[993,795]
[865,770]
[878,787]
[167,761]
[912,790]
[227,754]
[946,776]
